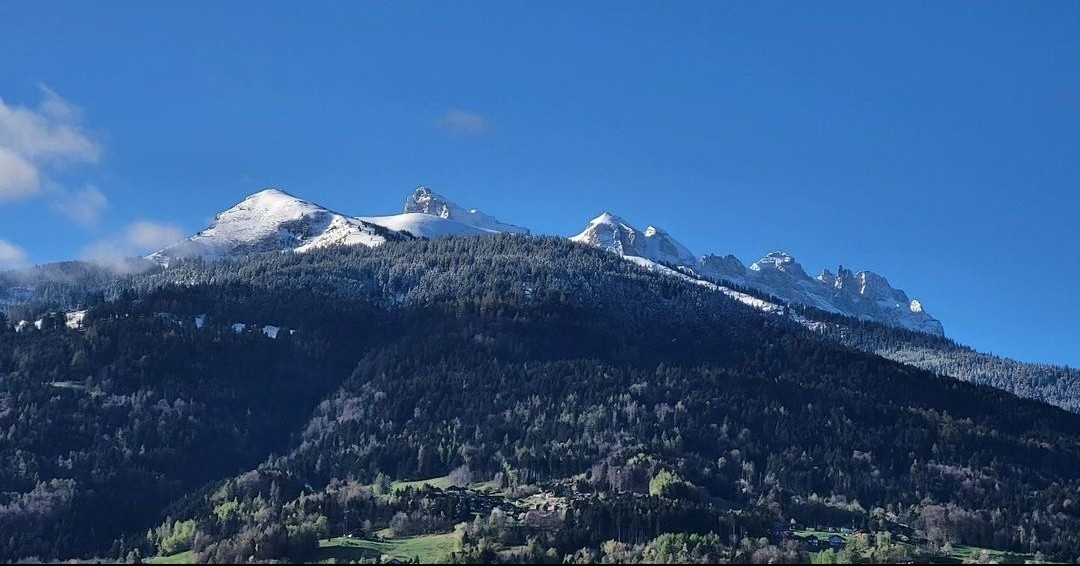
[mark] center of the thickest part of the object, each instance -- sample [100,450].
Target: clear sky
[935,143]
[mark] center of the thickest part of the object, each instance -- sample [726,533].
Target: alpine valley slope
[599,401]
[254,407]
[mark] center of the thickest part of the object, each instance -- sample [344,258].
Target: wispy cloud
[11,255]
[137,239]
[35,142]
[150,236]
[84,207]
[463,122]
[18,177]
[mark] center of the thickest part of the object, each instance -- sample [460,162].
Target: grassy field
[431,549]
[440,482]
[490,487]
[960,552]
[822,534]
[964,552]
[443,482]
[179,558]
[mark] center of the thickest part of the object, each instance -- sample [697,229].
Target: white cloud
[57,107]
[18,177]
[11,255]
[464,123]
[150,237]
[35,142]
[84,207]
[137,239]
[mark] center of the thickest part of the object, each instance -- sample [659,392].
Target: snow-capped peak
[842,279]
[608,218]
[272,219]
[777,265]
[664,245]
[864,295]
[425,201]
[869,296]
[727,268]
[610,232]
[264,210]
[270,195]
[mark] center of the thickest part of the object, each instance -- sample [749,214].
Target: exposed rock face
[425,201]
[864,294]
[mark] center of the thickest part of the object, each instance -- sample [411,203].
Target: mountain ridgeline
[275,220]
[222,401]
[858,309]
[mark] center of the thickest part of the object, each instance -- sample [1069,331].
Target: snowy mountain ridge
[425,201]
[273,219]
[864,295]
[614,234]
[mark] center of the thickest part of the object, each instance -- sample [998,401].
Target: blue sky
[935,143]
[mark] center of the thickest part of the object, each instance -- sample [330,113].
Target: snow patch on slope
[424,225]
[743,298]
[74,319]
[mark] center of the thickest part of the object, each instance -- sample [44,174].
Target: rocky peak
[779,262]
[425,201]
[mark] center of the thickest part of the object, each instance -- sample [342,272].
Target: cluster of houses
[814,543]
[836,538]
[480,502]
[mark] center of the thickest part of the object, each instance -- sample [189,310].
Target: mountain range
[296,384]
[859,310]
[273,219]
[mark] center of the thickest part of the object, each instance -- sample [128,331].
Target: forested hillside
[586,409]
[1056,385]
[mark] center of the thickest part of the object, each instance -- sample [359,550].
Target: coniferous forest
[497,399]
